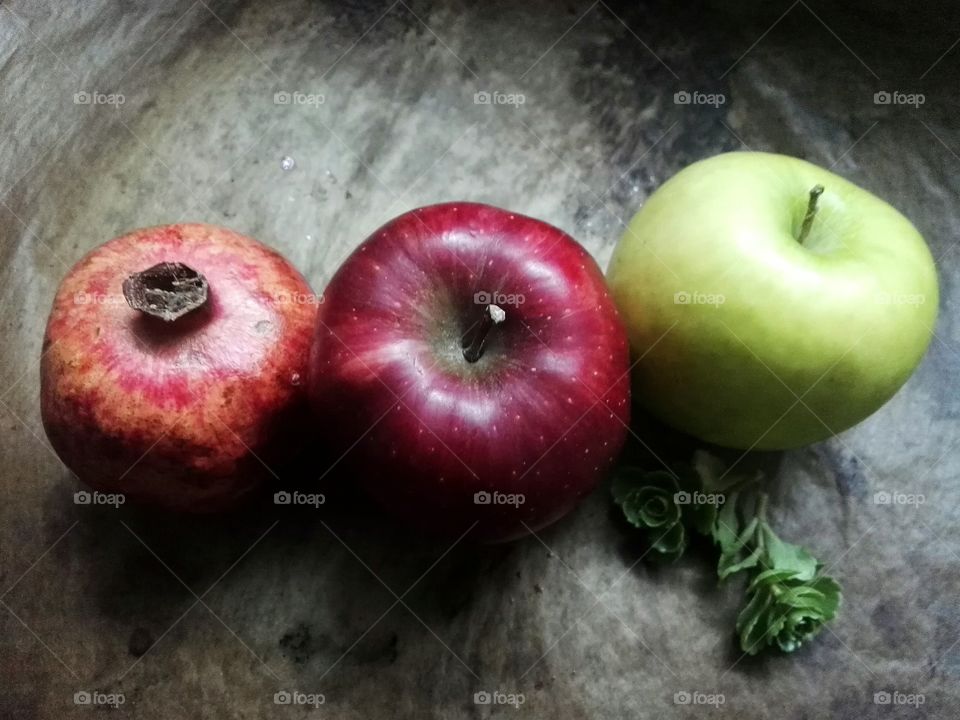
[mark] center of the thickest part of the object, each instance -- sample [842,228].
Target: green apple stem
[815,192]
[492,315]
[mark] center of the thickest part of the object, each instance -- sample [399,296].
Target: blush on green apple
[770,302]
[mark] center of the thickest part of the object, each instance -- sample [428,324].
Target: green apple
[769,302]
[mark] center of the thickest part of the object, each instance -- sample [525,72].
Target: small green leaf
[832,597]
[784,556]
[727,526]
[730,564]
[787,603]
[649,502]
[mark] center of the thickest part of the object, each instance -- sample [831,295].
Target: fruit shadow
[142,568]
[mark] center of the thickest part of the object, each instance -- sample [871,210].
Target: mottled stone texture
[209,619]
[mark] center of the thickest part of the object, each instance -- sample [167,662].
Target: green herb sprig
[788,599]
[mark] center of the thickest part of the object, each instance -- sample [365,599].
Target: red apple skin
[543,412]
[185,415]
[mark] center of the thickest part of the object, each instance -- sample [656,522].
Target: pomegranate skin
[188,415]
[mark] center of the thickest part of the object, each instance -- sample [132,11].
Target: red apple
[185,402]
[470,367]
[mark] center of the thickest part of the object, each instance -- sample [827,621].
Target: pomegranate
[173,366]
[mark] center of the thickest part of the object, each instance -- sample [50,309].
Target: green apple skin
[800,341]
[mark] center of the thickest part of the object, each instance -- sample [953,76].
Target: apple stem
[167,290]
[815,192]
[492,315]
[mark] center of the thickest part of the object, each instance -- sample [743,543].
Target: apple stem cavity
[492,315]
[815,192]
[167,290]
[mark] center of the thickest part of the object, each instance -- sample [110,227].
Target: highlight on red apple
[471,370]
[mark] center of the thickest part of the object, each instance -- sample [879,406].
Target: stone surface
[210,618]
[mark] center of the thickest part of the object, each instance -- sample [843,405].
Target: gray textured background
[229,611]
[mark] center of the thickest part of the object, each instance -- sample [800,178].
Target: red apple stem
[493,315]
[167,290]
[815,192]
